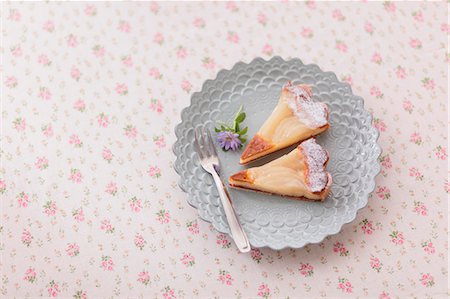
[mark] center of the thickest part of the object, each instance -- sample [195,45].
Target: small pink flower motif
[397,237]
[199,23]
[383,192]
[121,89]
[107,155]
[181,52]
[72,41]
[103,120]
[14,15]
[375,91]
[130,131]
[43,59]
[384,295]
[233,37]
[78,214]
[11,82]
[50,208]
[341,46]
[139,241]
[256,255]
[367,226]
[415,43]
[154,172]
[306,270]
[107,226]
[98,51]
[159,141]
[53,289]
[337,14]
[107,263]
[75,141]
[379,124]
[79,105]
[428,83]
[347,79]
[90,10]
[2,186]
[420,208]
[127,61]
[163,216]
[48,26]
[375,264]
[154,7]
[187,259]
[400,72]
[445,28]
[415,173]
[186,86]
[154,73]
[307,32]
[262,19]
[144,278]
[267,49]
[80,295]
[208,63]
[231,5]
[344,285]
[428,247]
[415,138]
[418,16]
[26,237]
[75,73]
[440,152]
[192,226]
[368,27]
[168,293]
[376,58]
[263,291]
[20,124]
[427,280]
[111,188]
[386,161]
[225,277]
[135,204]
[75,175]
[124,26]
[338,247]
[30,275]
[446,187]
[158,38]
[156,105]
[223,241]
[72,249]
[23,200]
[16,51]
[44,93]
[41,163]
[408,106]
[389,6]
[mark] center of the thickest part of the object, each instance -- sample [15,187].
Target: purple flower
[228,140]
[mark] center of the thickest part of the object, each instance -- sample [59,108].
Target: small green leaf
[243,131]
[222,128]
[240,118]
[217,130]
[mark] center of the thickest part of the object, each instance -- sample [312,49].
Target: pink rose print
[159,141]
[144,277]
[90,10]
[20,124]
[307,32]
[2,186]
[163,216]
[311,4]
[168,293]
[186,86]
[400,72]
[375,264]
[415,138]
[124,26]
[222,240]
[341,46]
[107,226]
[98,51]
[155,74]
[50,208]
[156,105]
[130,131]
[135,204]
[154,172]
[192,226]
[262,19]
[256,255]
[384,295]
[121,89]
[79,105]
[427,280]
[78,214]
[225,277]
[208,63]
[420,208]
[11,82]
[386,161]
[43,59]
[72,41]
[80,295]
[428,247]
[368,27]
[127,61]
[339,248]
[231,5]
[48,26]
[337,15]
[41,163]
[111,188]
[376,58]
[379,124]
[72,249]
[181,52]
[408,106]
[428,83]
[187,259]
[75,73]
[415,43]
[233,37]
[389,6]
[107,263]
[347,79]
[26,237]
[103,120]
[367,226]
[53,289]
[16,51]
[75,140]
[440,152]
[75,175]
[375,91]
[14,15]
[397,237]
[199,23]
[383,192]
[267,49]
[139,241]
[445,28]
[154,7]
[30,275]
[44,93]
[23,200]
[263,291]
[107,155]
[415,173]
[306,270]
[158,38]
[344,285]
[418,16]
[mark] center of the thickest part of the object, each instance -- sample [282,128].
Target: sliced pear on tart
[295,118]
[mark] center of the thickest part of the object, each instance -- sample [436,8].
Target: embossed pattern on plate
[269,220]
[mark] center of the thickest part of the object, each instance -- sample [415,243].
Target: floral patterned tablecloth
[91,93]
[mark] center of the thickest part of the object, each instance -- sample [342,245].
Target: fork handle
[238,234]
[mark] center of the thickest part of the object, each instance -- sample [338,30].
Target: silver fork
[210,162]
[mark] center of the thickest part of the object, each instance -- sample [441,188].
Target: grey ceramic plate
[269,220]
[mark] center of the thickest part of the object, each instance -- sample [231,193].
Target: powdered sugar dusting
[316,156]
[311,113]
